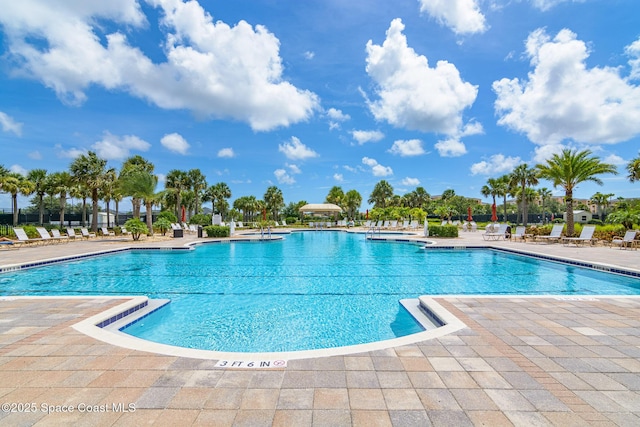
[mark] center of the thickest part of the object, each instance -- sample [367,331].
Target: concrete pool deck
[519,361]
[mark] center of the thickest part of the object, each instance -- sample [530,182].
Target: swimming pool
[310,290]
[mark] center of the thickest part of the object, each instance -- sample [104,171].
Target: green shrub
[595,222]
[291,220]
[443,231]
[162,224]
[31,231]
[136,227]
[217,231]
[200,219]
[170,216]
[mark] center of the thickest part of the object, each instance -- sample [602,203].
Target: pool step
[428,320]
[131,318]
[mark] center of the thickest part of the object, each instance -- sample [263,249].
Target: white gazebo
[320,209]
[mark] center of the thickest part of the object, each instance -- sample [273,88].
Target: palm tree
[89,169]
[78,190]
[216,192]
[569,169]
[59,183]
[381,194]
[39,178]
[132,164]
[524,177]
[491,189]
[141,184]
[634,169]
[197,182]
[177,181]
[335,196]
[107,189]
[15,183]
[352,202]
[4,172]
[502,188]
[601,201]
[273,200]
[545,195]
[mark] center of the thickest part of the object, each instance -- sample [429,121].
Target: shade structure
[494,215]
[320,209]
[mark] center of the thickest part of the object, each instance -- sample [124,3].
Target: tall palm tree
[136,163]
[634,169]
[15,183]
[220,191]
[491,189]
[39,179]
[381,194]
[570,168]
[90,169]
[274,200]
[524,177]
[59,183]
[107,189]
[352,202]
[177,181]
[502,188]
[4,172]
[335,196]
[197,182]
[601,201]
[141,184]
[79,190]
[545,195]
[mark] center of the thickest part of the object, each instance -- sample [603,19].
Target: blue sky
[308,95]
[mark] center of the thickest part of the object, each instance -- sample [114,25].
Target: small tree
[163,225]
[136,227]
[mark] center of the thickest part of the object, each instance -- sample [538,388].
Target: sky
[442,94]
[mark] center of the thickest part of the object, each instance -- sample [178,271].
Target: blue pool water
[310,290]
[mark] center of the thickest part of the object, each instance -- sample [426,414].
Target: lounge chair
[56,235]
[124,231]
[23,238]
[474,226]
[465,226]
[45,236]
[106,232]
[586,235]
[71,233]
[628,241]
[521,233]
[556,234]
[7,243]
[496,235]
[413,225]
[86,234]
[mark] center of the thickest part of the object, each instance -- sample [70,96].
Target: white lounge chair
[45,236]
[556,233]
[496,235]
[124,231]
[23,238]
[106,232]
[71,232]
[474,226]
[521,233]
[586,235]
[56,235]
[86,234]
[628,241]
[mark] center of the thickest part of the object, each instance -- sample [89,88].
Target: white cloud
[71,153]
[113,147]
[35,155]
[496,165]
[162,178]
[461,16]
[615,160]
[545,5]
[376,168]
[545,152]
[338,177]
[309,54]
[336,117]
[451,147]
[296,150]
[564,100]
[352,169]
[226,153]
[413,95]
[364,136]
[412,147]
[294,169]
[18,169]
[210,68]
[283,177]
[9,124]
[176,143]
[633,50]
[411,181]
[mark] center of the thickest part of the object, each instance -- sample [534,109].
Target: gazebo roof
[320,208]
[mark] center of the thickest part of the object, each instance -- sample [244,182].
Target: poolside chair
[394,225]
[628,241]
[413,225]
[59,237]
[474,226]
[444,223]
[71,233]
[86,234]
[496,235]
[586,235]
[23,238]
[45,236]
[284,223]
[124,231]
[556,234]
[521,233]
[465,226]
[8,244]
[106,232]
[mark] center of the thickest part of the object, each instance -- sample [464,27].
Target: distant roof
[320,208]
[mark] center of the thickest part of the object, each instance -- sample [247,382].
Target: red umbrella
[367,217]
[184,215]
[469,217]
[494,215]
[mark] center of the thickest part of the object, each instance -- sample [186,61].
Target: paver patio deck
[520,361]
